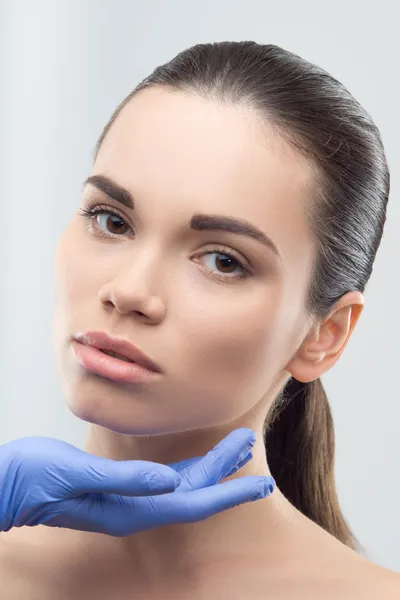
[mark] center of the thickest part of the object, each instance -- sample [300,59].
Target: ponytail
[300,447]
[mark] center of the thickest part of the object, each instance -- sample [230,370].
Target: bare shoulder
[357,578]
[16,575]
[351,577]
[341,573]
[384,581]
[348,575]
[26,566]
[8,572]
[327,570]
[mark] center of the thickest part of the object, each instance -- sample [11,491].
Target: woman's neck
[247,532]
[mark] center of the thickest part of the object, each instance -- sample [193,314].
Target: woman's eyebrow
[223,223]
[111,189]
[198,222]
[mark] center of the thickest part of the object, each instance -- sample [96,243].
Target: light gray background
[64,66]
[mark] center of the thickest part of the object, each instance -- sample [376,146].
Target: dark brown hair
[317,115]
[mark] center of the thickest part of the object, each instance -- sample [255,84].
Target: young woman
[228,229]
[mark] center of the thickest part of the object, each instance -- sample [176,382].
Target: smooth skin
[227,345]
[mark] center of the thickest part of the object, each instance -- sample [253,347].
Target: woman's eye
[110,223]
[105,222]
[226,265]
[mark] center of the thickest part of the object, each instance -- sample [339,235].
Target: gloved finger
[182,464]
[240,464]
[117,516]
[223,460]
[68,471]
[125,477]
[197,505]
[182,467]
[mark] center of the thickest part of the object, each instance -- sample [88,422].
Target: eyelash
[95,210]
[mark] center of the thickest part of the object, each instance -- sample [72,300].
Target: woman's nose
[126,294]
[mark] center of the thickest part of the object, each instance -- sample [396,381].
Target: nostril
[108,304]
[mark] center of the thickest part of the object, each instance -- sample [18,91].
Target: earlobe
[307,364]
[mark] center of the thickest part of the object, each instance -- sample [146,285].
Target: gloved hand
[46,481]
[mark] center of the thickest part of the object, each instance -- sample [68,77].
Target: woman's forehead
[180,150]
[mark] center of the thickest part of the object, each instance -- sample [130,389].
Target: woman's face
[222,330]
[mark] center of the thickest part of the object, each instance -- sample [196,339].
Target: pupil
[117,223]
[231,261]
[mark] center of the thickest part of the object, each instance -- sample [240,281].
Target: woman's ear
[326,340]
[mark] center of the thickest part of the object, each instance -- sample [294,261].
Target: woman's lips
[98,362]
[122,347]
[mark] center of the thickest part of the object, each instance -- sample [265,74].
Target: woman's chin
[136,410]
[119,412]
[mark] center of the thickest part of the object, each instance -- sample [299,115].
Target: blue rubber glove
[45,481]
